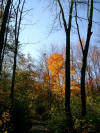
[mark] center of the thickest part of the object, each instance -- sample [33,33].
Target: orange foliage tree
[56,66]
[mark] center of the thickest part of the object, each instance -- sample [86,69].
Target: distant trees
[93,69]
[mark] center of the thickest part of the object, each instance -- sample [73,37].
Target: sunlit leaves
[55,64]
[56,67]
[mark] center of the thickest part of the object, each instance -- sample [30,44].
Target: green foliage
[35,103]
[91,121]
[76,107]
[56,123]
[17,119]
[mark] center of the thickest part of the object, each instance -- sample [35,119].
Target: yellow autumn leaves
[56,66]
[5,118]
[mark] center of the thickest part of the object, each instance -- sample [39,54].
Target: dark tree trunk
[3,52]
[83,93]
[85,54]
[67,28]
[14,72]
[5,42]
[3,28]
[17,29]
[67,75]
[67,83]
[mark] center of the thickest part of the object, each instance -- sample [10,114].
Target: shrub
[20,117]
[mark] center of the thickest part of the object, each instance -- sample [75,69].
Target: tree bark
[85,53]
[14,72]
[17,29]
[84,61]
[3,28]
[67,28]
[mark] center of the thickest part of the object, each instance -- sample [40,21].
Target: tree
[8,36]
[67,28]
[3,28]
[18,18]
[93,69]
[55,64]
[85,52]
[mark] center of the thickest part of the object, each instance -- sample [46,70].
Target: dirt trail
[39,126]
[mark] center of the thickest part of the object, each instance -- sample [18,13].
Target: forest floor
[39,126]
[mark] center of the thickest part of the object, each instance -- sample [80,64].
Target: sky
[38,36]
[36,28]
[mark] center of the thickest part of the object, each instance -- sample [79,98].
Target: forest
[58,92]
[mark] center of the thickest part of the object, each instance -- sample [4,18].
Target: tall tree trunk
[67,28]
[17,29]
[67,83]
[85,54]
[5,41]
[67,75]
[3,52]
[14,72]
[3,28]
